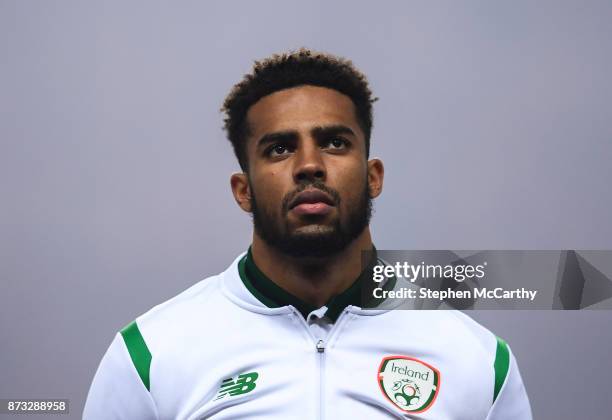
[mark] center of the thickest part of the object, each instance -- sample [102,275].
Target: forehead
[301,108]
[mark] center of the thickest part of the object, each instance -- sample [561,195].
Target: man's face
[308,172]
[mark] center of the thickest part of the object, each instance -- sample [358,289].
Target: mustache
[317,185]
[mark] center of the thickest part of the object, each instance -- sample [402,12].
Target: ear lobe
[376,175]
[241,191]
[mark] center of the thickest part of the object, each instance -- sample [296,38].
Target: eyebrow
[277,137]
[318,132]
[331,130]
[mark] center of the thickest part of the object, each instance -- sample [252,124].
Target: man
[282,333]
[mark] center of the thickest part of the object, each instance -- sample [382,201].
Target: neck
[313,280]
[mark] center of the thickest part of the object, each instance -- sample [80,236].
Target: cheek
[268,189]
[351,184]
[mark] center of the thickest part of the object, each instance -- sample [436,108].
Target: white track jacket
[216,351]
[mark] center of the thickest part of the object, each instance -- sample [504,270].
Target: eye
[337,143]
[277,150]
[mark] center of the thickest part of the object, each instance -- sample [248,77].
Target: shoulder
[199,299]
[195,311]
[192,313]
[442,329]
[204,300]
[472,331]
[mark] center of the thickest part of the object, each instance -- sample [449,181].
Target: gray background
[494,123]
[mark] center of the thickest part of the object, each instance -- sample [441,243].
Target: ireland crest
[410,384]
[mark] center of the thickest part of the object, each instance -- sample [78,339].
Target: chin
[314,230]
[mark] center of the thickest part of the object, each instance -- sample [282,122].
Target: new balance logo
[243,384]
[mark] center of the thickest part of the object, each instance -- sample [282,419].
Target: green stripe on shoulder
[139,352]
[501,365]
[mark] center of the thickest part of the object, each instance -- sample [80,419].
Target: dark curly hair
[283,71]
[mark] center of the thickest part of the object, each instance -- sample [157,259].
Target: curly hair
[283,71]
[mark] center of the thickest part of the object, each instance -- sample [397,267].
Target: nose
[309,164]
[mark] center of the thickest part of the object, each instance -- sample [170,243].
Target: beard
[325,242]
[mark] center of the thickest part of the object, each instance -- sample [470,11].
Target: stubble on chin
[311,240]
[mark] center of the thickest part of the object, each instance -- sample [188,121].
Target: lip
[312,196]
[312,202]
[312,209]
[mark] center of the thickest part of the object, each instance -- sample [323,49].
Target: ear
[376,175]
[241,190]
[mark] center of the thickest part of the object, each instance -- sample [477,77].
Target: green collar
[273,296]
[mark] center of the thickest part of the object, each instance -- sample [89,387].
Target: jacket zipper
[320,348]
[321,351]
